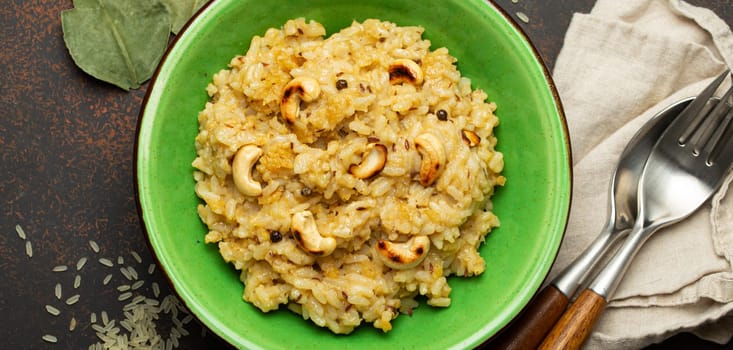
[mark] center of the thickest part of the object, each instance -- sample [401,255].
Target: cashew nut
[404,70]
[403,255]
[372,163]
[299,89]
[306,234]
[242,165]
[470,138]
[433,157]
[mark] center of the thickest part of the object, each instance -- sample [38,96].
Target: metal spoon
[527,331]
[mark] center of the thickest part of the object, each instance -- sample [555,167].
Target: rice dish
[347,176]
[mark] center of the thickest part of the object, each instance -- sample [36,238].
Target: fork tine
[693,115]
[720,147]
[711,123]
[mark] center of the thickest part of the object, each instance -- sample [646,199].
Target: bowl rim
[533,51]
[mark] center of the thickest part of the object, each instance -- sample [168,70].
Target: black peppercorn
[306,191]
[341,84]
[276,236]
[442,115]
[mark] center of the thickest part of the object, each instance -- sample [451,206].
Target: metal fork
[687,165]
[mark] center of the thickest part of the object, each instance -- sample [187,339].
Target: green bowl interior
[532,207]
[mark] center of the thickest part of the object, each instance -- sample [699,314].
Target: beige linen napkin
[621,64]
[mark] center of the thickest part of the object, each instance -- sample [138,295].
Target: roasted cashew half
[404,70]
[299,89]
[470,138]
[403,255]
[372,162]
[242,165]
[433,157]
[306,234]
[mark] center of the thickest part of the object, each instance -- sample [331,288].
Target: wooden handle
[576,323]
[528,330]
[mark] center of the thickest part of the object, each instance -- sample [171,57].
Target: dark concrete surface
[66,177]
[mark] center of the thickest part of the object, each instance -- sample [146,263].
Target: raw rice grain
[94,246]
[29,249]
[523,17]
[124,296]
[73,299]
[136,256]
[126,273]
[52,310]
[60,268]
[106,262]
[50,338]
[133,272]
[80,264]
[137,284]
[21,232]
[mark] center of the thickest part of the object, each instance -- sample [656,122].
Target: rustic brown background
[66,161]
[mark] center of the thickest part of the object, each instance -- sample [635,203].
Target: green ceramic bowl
[532,207]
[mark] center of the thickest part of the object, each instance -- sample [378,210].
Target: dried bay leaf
[117,41]
[181,11]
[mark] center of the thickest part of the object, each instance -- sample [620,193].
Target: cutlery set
[666,172]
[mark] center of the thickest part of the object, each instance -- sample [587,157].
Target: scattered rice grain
[126,273]
[93,317]
[184,332]
[73,299]
[52,310]
[156,289]
[107,279]
[123,288]
[120,260]
[187,319]
[124,296]
[57,291]
[80,264]
[77,281]
[49,338]
[133,272]
[20,232]
[72,324]
[106,262]
[94,246]
[137,284]
[138,299]
[151,269]
[60,268]
[105,318]
[137,257]
[29,249]
[523,17]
